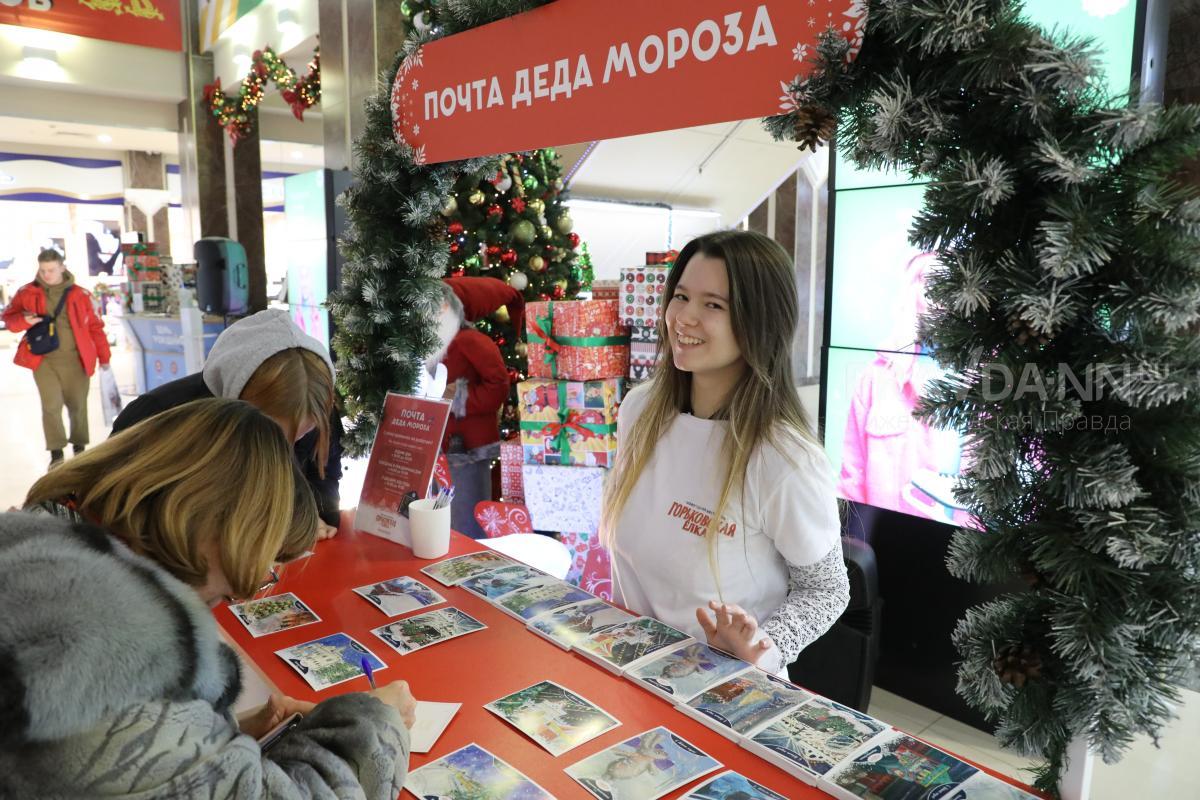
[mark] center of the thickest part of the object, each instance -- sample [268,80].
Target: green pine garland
[394,247]
[1064,239]
[1066,243]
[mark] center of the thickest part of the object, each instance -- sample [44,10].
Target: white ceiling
[728,168]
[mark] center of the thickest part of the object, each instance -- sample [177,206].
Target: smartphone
[275,734]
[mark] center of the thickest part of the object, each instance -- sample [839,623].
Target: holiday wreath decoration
[1069,255]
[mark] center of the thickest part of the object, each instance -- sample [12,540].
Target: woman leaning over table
[113,680]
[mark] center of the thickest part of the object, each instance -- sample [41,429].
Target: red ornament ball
[573,237]
[494,210]
[493,250]
[558,293]
[508,257]
[518,205]
[454,247]
[455,228]
[500,340]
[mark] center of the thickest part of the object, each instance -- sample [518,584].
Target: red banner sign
[577,70]
[149,23]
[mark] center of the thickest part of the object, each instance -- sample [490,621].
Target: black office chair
[841,664]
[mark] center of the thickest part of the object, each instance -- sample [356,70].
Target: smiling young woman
[721,514]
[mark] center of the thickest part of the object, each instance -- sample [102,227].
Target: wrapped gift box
[642,290]
[662,257]
[606,290]
[648,333]
[563,498]
[578,340]
[643,357]
[512,455]
[572,423]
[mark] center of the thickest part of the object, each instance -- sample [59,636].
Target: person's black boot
[76,449]
[56,458]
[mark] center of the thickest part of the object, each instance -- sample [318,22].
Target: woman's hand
[325,531]
[733,631]
[32,319]
[397,695]
[259,722]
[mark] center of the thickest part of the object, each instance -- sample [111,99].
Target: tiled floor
[1145,772]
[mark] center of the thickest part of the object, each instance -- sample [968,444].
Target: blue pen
[370,673]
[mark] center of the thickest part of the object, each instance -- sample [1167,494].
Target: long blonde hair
[209,470]
[763,406]
[294,387]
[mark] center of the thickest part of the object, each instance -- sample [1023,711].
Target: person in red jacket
[63,375]
[477,383]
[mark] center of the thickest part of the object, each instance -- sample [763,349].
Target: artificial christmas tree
[512,224]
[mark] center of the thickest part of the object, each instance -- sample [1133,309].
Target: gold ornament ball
[451,206]
[558,184]
[565,223]
[546,233]
[537,206]
[537,263]
[522,349]
[561,284]
[502,314]
[476,197]
[523,231]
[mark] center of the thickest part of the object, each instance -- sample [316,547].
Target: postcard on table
[329,660]
[621,646]
[811,740]
[982,786]
[273,614]
[567,625]
[413,633]
[399,595]
[472,773]
[454,571]
[732,785]
[645,767]
[538,598]
[898,768]
[745,703]
[553,716]
[431,720]
[491,585]
[680,674]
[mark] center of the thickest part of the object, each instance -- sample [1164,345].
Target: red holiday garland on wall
[300,92]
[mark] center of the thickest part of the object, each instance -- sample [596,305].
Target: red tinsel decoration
[518,205]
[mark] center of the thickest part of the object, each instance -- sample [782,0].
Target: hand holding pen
[395,694]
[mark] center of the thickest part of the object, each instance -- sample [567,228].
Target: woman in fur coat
[113,680]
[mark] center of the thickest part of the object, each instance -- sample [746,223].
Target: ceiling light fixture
[104,138]
[39,57]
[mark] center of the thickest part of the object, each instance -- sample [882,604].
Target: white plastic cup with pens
[429,524]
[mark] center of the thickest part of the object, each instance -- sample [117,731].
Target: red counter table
[475,669]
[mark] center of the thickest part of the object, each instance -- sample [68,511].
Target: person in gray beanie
[266,360]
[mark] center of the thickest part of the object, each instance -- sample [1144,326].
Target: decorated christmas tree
[1068,258]
[513,224]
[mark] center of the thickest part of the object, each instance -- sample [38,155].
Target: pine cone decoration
[1026,332]
[1017,665]
[814,125]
